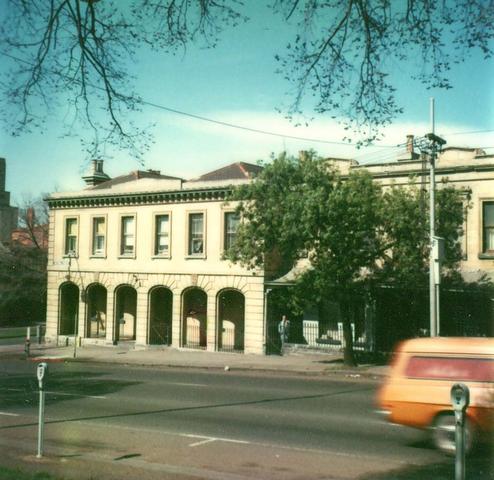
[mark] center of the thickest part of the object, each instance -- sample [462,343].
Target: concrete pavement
[294,361]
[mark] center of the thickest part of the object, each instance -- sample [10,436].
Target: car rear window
[451,368]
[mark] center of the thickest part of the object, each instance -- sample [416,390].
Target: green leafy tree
[304,209]
[23,267]
[405,226]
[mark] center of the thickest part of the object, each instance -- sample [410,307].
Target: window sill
[128,257]
[161,257]
[486,256]
[70,255]
[196,257]
[97,256]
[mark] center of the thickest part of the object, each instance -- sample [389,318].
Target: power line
[237,126]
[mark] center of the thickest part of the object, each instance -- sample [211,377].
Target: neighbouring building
[33,234]
[388,314]
[8,214]
[138,258]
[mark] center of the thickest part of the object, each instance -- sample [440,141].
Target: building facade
[8,213]
[138,258]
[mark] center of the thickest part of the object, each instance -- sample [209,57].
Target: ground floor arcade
[209,312]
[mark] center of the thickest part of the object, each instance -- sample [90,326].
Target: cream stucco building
[138,258]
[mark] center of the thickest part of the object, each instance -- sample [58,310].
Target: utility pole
[435,242]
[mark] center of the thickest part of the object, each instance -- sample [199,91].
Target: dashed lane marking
[102,397]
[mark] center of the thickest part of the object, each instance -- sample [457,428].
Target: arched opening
[231,321]
[194,324]
[96,311]
[69,309]
[125,313]
[160,316]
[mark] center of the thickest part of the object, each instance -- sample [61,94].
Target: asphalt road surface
[110,421]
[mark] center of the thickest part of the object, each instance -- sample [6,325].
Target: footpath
[295,361]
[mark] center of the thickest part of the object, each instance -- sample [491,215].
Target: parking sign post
[40,373]
[460,398]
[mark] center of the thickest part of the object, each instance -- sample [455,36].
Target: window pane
[196,225]
[231,224]
[161,235]
[128,237]
[98,235]
[451,368]
[70,235]
[488,221]
[489,214]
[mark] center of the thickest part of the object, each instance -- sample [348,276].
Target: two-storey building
[138,258]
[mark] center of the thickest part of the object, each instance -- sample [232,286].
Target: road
[182,423]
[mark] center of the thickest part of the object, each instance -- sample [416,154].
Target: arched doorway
[194,324]
[160,316]
[125,313]
[69,309]
[231,321]
[96,311]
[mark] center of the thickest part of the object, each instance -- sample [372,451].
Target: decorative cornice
[425,172]
[147,198]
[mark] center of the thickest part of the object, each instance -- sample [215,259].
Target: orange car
[423,370]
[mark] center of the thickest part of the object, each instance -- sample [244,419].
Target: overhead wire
[242,127]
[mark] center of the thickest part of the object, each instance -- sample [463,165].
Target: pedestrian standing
[283,330]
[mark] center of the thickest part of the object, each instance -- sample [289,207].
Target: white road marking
[9,414]
[187,384]
[76,395]
[203,442]
[211,439]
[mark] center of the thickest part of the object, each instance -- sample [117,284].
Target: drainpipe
[265,320]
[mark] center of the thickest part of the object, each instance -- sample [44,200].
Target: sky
[236,83]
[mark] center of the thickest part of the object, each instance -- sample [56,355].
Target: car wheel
[443,433]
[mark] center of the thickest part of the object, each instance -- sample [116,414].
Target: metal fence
[195,337]
[15,335]
[314,335]
[231,340]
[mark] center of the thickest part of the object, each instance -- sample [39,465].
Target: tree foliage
[348,230]
[306,210]
[344,52]
[75,55]
[406,228]
[23,276]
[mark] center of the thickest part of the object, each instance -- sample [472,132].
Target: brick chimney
[95,175]
[410,144]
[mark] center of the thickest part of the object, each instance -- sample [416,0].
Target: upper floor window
[70,236]
[162,235]
[231,225]
[127,242]
[488,227]
[99,235]
[196,234]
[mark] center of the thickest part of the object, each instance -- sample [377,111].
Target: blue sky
[236,83]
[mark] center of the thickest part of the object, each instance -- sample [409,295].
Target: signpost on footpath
[460,398]
[41,372]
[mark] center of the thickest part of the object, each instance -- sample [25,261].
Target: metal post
[265,321]
[27,343]
[460,399]
[41,422]
[432,220]
[38,333]
[41,371]
[460,441]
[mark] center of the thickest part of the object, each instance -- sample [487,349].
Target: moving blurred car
[417,392]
